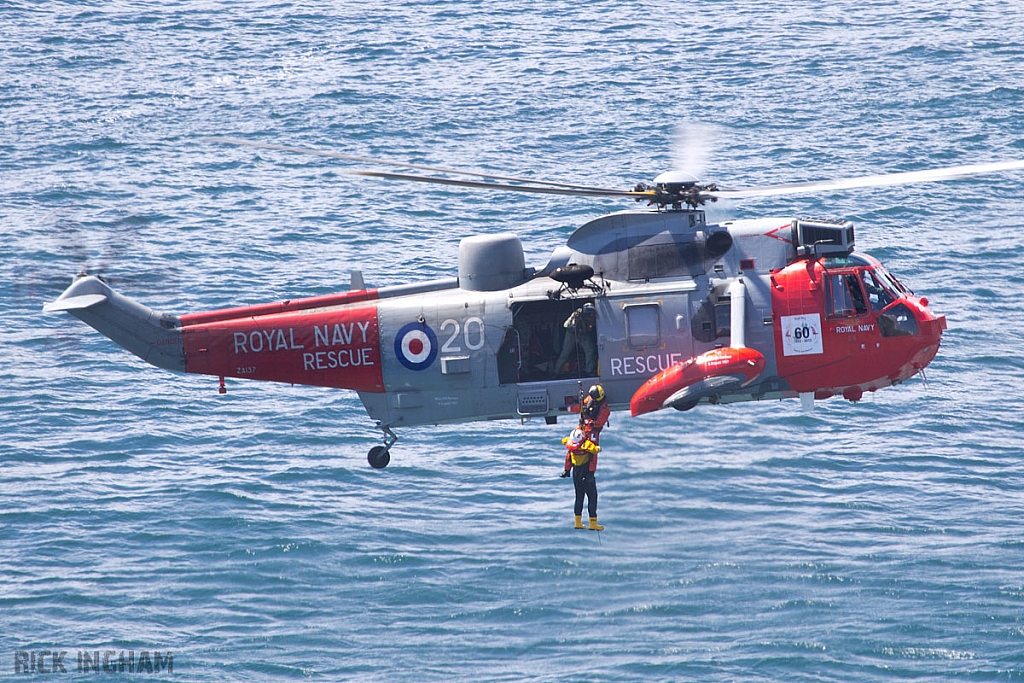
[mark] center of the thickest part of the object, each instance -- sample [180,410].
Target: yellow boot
[594,526]
[579,522]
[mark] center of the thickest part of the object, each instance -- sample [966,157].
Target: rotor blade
[385,162]
[906,178]
[576,192]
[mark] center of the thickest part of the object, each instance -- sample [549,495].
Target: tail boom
[153,337]
[330,341]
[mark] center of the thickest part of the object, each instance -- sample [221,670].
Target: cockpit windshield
[855,260]
[890,280]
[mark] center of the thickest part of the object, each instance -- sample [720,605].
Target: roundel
[416,346]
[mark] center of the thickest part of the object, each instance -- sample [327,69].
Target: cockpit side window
[898,321]
[845,298]
[878,295]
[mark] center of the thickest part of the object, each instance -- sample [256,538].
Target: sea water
[147,519]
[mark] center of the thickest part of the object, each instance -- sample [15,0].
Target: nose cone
[931,332]
[930,325]
[928,338]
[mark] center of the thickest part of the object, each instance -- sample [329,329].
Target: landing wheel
[379,457]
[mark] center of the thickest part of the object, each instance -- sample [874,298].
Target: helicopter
[680,312]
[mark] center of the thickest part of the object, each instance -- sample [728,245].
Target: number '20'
[472,334]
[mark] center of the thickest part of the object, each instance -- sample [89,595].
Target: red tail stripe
[279,307]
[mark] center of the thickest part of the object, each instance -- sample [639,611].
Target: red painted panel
[278,307]
[846,354]
[798,307]
[745,362]
[334,348]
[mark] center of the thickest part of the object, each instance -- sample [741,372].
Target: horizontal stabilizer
[75,303]
[152,336]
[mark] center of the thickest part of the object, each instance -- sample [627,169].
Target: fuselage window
[844,296]
[643,325]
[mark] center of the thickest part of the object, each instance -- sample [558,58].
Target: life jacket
[580,447]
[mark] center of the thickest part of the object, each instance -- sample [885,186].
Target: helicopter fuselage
[686,312]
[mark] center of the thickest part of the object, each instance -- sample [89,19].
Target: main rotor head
[676,188]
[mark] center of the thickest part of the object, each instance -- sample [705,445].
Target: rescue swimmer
[581,455]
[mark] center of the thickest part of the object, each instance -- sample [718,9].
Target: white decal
[416,346]
[451,346]
[265,340]
[478,324]
[342,358]
[341,334]
[801,335]
[643,365]
[475,340]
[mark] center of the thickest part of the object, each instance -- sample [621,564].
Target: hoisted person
[581,455]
